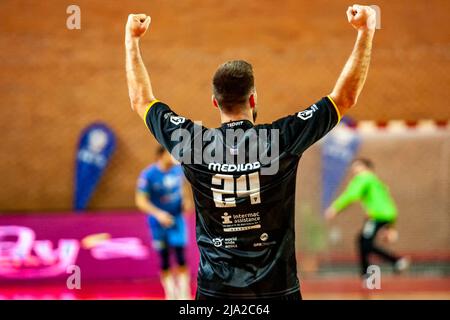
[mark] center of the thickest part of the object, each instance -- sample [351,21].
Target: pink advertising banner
[103,245]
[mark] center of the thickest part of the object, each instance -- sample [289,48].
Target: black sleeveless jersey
[243,180]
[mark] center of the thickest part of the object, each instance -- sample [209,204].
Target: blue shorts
[175,236]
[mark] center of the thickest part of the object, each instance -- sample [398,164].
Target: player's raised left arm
[139,85]
[351,80]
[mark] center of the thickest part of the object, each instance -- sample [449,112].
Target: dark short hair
[232,83]
[366,162]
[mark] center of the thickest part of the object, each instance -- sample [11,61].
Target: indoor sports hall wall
[55,81]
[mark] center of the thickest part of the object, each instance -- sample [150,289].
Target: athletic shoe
[402,264]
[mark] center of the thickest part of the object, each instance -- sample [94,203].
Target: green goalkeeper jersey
[374,195]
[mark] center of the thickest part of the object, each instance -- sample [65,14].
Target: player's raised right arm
[351,80]
[139,85]
[352,193]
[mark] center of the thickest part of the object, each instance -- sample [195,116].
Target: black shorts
[295,296]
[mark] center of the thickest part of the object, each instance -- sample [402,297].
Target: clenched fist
[137,25]
[362,17]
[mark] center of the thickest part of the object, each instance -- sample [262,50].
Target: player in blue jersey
[160,194]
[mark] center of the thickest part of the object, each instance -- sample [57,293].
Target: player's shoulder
[365,177]
[177,169]
[262,126]
[158,109]
[323,105]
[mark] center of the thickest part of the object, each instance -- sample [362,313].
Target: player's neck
[227,117]
[363,171]
[164,166]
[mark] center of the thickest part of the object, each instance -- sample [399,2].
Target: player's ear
[214,101]
[252,100]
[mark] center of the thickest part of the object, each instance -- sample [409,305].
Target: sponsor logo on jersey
[308,113]
[225,242]
[241,222]
[226,219]
[176,120]
[234,124]
[225,167]
[217,242]
[230,242]
[264,237]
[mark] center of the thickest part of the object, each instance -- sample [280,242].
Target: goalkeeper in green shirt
[381,211]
